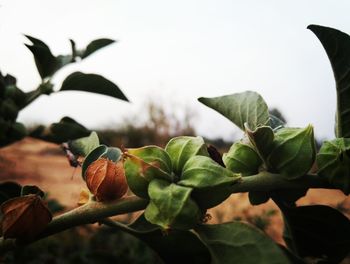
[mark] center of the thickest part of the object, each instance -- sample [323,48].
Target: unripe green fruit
[333,161]
[145,164]
[293,152]
[243,159]
[181,149]
[171,206]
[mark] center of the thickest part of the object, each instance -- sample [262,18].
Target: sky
[176,51]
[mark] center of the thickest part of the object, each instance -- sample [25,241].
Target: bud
[180,149]
[243,159]
[171,206]
[333,161]
[145,164]
[106,179]
[293,152]
[24,217]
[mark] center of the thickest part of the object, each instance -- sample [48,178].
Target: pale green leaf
[247,107]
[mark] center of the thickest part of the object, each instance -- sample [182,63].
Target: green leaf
[144,164]
[180,149]
[113,154]
[95,45]
[293,152]
[102,151]
[176,246]
[210,181]
[45,61]
[92,83]
[66,129]
[337,46]
[93,155]
[171,206]
[83,146]
[247,107]
[153,155]
[262,140]
[318,231]
[242,158]
[202,172]
[236,242]
[63,131]
[333,162]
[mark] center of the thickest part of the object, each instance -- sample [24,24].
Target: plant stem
[93,212]
[43,88]
[265,181]
[89,213]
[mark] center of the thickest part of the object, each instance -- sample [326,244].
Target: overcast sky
[179,51]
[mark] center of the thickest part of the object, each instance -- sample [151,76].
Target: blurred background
[174,52]
[168,53]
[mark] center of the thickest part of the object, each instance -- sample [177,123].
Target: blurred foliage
[90,245]
[156,128]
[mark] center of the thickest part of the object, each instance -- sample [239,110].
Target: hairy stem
[97,211]
[265,181]
[89,213]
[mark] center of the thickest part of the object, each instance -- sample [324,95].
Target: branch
[93,212]
[266,181]
[89,213]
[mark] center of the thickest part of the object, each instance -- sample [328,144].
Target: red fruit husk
[24,217]
[106,179]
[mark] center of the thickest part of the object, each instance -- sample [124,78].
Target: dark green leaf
[236,242]
[92,83]
[66,129]
[46,63]
[247,107]
[333,162]
[258,197]
[337,46]
[83,146]
[292,258]
[96,45]
[174,247]
[318,231]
